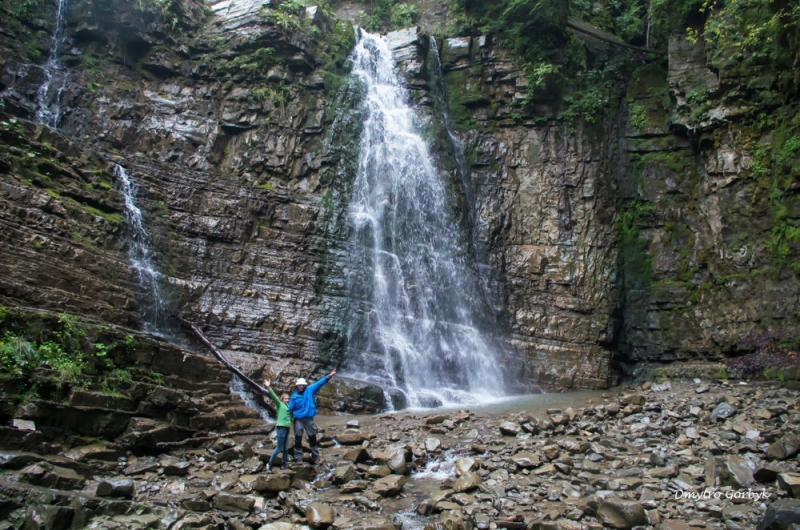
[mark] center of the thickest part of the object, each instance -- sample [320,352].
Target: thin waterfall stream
[48,98]
[415,323]
[151,303]
[152,306]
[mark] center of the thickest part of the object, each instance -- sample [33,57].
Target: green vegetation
[388,14]
[745,34]
[38,350]
[774,168]
[19,357]
[634,256]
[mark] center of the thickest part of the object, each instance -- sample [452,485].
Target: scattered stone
[723,411]
[508,428]
[468,481]
[350,437]
[177,469]
[784,448]
[228,502]
[621,513]
[432,444]
[783,514]
[23,425]
[122,487]
[790,482]
[319,515]
[141,466]
[389,486]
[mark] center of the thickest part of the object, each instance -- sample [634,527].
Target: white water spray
[415,312]
[152,304]
[55,78]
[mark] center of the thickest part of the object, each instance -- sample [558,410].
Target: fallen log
[218,354]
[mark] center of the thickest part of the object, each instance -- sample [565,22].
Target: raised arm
[272,393]
[316,386]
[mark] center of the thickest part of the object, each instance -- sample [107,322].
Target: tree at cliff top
[747,34]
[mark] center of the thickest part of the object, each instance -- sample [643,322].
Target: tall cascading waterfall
[151,303]
[48,99]
[415,310]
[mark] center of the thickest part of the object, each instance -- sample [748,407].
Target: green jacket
[284,418]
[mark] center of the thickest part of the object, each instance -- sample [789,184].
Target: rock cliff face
[236,122]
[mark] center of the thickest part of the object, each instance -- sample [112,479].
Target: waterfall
[55,79]
[415,307]
[151,303]
[241,389]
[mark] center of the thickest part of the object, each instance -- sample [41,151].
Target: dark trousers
[307,425]
[282,445]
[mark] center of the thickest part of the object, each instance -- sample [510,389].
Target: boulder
[141,466]
[389,486]
[464,465]
[122,487]
[344,474]
[237,453]
[396,460]
[790,482]
[785,447]
[620,513]
[468,481]
[432,444]
[723,411]
[453,520]
[319,515]
[228,502]
[350,437]
[783,514]
[273,483]
[509,428]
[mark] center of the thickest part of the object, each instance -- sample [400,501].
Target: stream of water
[48,98]
[415,317]
[151,303]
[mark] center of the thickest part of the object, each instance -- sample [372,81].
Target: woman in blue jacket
[303,409]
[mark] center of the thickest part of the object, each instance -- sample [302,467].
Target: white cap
[301,381]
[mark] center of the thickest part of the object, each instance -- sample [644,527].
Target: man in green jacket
[284,423]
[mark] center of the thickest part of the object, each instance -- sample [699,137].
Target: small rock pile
[669,456]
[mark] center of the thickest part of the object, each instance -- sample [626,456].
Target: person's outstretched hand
[332,374]
[266,383]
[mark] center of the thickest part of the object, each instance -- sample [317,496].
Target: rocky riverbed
[668,455]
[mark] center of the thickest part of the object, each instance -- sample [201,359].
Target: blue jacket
[302,405]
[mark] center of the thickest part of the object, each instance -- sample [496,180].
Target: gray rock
[344,474]
[396,460]
[620,513]
[723,411]
[785,447]
[350,437]
[140,466]
[319,515]
[783,514]
[468,481]
[178,469]
[228,502]
[509,428]
[122,487]
[790,482]
[389,486]
[526,459]
[273,482]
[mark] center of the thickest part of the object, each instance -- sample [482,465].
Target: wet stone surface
[631,457]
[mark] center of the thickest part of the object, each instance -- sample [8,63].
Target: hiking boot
[269,468]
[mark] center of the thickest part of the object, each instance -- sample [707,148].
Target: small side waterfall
[49,95]
[151,303]
[415,317]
